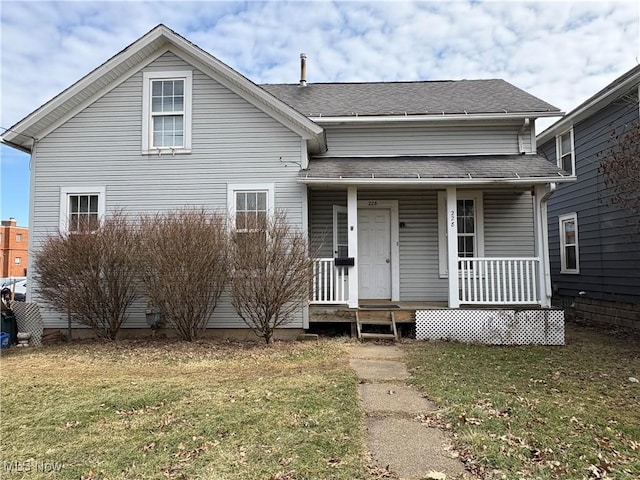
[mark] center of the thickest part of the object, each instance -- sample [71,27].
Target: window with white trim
[17,260]
[18,237]
[250,205]
[166,121]
[82,209]
[470,220]
[569,254]
[340,232]
[565,153]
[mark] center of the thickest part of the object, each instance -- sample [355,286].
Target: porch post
[542,244]
[352,238]
[452,244]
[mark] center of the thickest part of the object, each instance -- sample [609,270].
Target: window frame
[66,192]
[18,238]
[562,219]
[147,114]
[17,260]
[234,188]
[338,210]
[560,153]
[478,199]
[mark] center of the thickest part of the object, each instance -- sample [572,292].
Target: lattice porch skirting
[496,327]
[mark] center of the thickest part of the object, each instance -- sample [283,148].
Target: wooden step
[381,318]
[376,321]
[389,336]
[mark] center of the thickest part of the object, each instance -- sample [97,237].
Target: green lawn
[539,412]
[213,410]
[165,409]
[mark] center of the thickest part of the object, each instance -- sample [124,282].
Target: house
[404,183]
[594,245]
[13,249]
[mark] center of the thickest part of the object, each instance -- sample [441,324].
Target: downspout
[525,125]
[545,237]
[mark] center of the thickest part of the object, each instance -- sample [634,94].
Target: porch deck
[404,311]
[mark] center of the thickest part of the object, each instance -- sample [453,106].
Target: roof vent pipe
[303,70]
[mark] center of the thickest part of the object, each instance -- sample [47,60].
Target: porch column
[352,239]
[452,246]
[542,244]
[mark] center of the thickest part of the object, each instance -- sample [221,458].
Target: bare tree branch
[621,168]
[184,267]
[272,271]
[91,274]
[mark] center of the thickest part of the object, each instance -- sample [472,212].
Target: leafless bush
[184,267]
[621,168]
[91,275]
[272,270]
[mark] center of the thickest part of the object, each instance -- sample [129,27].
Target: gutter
[545,236]
[434,117]
[437,181]
[16,146]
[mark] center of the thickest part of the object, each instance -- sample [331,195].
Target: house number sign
[452,218]
[373,203]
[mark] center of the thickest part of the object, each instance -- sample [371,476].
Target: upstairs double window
[166,112]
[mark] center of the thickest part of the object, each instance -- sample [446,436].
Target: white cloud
[562,52]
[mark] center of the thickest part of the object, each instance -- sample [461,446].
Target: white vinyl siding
[233,143]
[569,253]
[565,151]
[454,139]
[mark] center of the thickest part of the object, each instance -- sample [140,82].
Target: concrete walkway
[394,436]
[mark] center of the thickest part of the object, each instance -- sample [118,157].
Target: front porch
[499,281]
[458,246]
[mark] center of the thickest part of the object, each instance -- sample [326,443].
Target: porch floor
[405,313]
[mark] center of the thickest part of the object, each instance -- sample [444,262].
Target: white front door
[374,253]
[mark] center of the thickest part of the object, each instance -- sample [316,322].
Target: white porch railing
[499,281]
[329,282]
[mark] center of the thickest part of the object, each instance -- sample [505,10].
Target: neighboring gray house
[410,180]
[595,247]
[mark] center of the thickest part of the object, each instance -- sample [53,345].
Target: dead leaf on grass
[380,472]
[433,475]
[290,475]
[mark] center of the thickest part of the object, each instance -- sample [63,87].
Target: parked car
[17,286]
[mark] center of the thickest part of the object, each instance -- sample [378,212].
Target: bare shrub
[272,271]
[184,267]
[91,274]
[621,168]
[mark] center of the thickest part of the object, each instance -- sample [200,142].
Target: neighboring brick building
[14,242]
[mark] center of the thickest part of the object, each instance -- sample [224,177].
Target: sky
[560,51]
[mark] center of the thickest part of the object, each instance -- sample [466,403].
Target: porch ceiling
[474,169]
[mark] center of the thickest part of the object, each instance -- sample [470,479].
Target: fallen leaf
[433,475]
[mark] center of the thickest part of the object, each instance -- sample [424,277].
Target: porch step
[378,318]
[389,336]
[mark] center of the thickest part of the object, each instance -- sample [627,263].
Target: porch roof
[435,170]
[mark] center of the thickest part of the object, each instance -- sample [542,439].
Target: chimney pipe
[303,70]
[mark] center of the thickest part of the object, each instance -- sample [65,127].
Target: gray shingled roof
[411,98]
[475,167]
